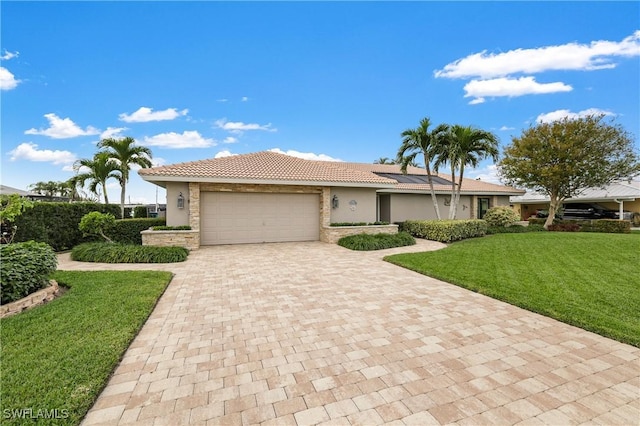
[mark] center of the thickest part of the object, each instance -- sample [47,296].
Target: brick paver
[312,333]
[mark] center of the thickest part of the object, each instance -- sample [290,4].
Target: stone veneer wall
[331,234]
[34,299]
[187,239]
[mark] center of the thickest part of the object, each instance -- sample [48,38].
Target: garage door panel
[231,218]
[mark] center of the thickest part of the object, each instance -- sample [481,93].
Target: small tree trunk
[122,201]
[453,192]
[554,205]
[434,198]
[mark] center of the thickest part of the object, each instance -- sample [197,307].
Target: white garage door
[240,217]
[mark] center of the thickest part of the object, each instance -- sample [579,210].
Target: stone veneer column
[325,207]
[194,205]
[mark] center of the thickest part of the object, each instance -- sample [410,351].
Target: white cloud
[113,132]
[29,151]
[238,127]
[222,100]
[230,139]
[562,113]
[145,114]
[570,56]
[305,155]
[486,174]
[9,55]
[511,87]
[7,80]
[244,99]
[225,153]
[505,128]
[188,139]
[62,128]
[158,161]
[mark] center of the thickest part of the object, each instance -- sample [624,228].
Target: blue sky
[332,80]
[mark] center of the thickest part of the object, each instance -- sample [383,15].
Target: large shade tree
[464,146]
[425,142]
[96,171]
[565,157]
[126,153]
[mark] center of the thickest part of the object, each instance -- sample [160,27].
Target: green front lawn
[59,356]
[585,279]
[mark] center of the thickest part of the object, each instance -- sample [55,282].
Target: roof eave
[160,180]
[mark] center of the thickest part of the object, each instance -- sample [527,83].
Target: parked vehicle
[585,211]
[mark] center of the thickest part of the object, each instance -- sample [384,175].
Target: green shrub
[25,268]
[564,227]
[366,242]
[127,231]
[172,228]
[140,212]
[501,216]
[611,226]
[514,229]
[57,223]
[127,253]
[96,224]
[446,231]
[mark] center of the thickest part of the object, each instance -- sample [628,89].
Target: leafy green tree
[126,153]
[464,146]
[425,142]
[11,207]
[96,223]
[97,171]
[562,158]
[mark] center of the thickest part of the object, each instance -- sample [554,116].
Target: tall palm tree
[126,153]
[49,189]
[98,169]
[465,146]
[428,143]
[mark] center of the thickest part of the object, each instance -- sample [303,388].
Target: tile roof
[267,166]
[272,166]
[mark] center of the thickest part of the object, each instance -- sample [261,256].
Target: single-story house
[8,190]
[623,195]
[272,197]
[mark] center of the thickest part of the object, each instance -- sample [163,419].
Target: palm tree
[425,142]
[384,160]
[98,169]
[49,189]
[465,146]
[126,153]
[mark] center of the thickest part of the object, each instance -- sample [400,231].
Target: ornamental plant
[501,216]
[96,223]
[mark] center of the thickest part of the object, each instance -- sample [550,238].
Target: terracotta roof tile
[272,166]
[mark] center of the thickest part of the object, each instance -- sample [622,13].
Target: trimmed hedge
[564,227]
[171,228]
[366,242]
[127,231]
[611,226]
[127,253]
[445,231]
[57,223]
[140,212]
[25,268]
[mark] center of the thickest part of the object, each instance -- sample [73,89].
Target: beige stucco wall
[420,207]
[354,205]
[176,216]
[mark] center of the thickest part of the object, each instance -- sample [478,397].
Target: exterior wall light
[335,202]
[180,201]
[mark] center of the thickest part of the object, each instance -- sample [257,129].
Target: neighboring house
[271,197]
[623,195]
[7,190]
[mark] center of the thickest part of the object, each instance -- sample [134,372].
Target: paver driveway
[311,333]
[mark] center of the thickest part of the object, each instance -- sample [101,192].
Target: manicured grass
[59,356]
[585,279]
